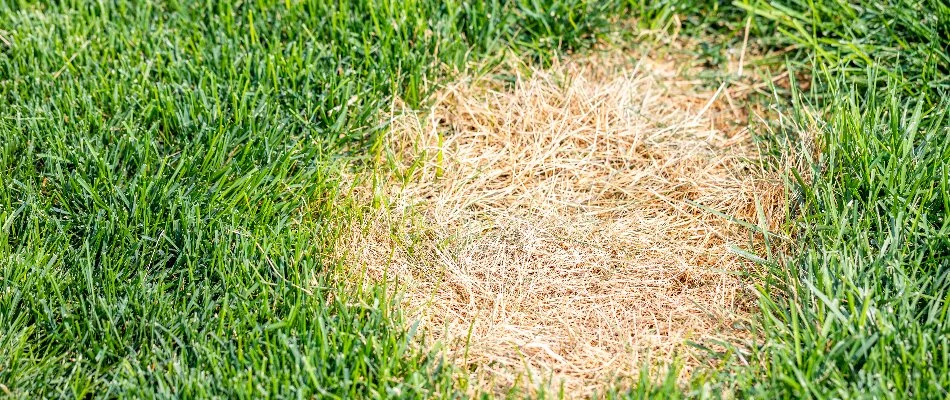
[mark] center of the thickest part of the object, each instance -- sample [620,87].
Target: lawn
[175,177]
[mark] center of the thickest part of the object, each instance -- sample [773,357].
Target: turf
[170,184]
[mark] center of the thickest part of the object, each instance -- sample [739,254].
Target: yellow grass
[541,231]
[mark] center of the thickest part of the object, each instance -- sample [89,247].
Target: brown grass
[541,231]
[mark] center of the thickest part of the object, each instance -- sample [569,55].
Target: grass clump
[866,310]
[858,307]
[861,307]
[904,41]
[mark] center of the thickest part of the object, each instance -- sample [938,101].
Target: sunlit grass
[170,185]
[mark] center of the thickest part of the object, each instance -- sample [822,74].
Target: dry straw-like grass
[540,229]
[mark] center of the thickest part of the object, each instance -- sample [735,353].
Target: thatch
[542,230]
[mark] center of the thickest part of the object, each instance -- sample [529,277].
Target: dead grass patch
[541,229]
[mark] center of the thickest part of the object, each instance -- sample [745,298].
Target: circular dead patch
[546,231]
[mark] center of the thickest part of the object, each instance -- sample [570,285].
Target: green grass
[859,306]
[904,42]
[171,186]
